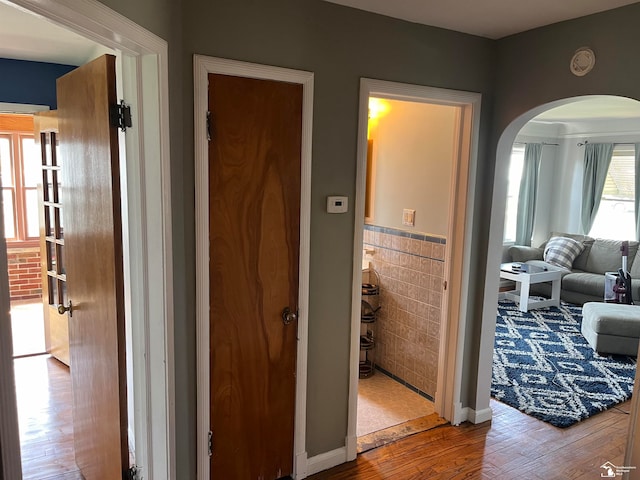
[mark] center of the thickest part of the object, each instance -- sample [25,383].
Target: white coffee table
[525,276]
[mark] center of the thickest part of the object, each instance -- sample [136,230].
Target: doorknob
[288,316]
[62,309]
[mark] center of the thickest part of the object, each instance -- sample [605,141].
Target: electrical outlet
[409,217]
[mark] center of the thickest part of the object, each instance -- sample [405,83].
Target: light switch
[409,217]
[337,204]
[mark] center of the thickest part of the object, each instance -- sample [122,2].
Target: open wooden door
[254,232]
[94,270]
[54,289]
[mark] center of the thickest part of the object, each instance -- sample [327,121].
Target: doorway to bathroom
[409,164]
[414,178]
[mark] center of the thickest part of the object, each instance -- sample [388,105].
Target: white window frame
[513,191]
[597,230]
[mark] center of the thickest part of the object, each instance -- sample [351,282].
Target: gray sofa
[585,281]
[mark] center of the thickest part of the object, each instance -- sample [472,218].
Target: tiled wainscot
[411,268]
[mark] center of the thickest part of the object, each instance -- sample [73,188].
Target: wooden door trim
[145,65]
[203,65]
[449,385]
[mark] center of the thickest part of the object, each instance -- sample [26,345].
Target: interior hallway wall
[340,45]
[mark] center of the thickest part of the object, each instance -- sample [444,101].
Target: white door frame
[148,228]
[447,398]
[204,65]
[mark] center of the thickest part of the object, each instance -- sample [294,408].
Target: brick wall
[25,274]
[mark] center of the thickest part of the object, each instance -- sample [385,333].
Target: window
[20,173]
[615,219]
[515,175]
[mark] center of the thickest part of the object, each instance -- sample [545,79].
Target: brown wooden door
[94,271]
[54,289]
[254,191]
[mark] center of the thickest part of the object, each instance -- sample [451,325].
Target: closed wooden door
[94,270]
[254,224]
[54,288]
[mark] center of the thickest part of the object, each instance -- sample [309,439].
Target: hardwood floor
[512,446]
[43,391]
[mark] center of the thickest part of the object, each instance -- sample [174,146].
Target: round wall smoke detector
[582,61]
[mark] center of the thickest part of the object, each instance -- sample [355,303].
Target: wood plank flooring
[43,392]
[512,446]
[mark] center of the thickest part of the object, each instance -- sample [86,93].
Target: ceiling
[595,107]
[486,18]
[28,37]
[24,36]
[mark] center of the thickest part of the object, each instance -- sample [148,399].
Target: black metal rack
[370,306]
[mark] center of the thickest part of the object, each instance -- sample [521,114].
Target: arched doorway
[577,111]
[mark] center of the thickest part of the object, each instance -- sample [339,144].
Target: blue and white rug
[544,367]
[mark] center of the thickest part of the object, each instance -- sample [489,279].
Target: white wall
[560,180]
[566,186]
[413,147]
[548,201]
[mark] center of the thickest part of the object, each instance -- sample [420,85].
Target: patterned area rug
[544,367]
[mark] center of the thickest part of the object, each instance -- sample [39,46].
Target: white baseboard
[352,448]
[480,416]
[326,460]
[460,414]
[301,466]
[132,444]
[467,414]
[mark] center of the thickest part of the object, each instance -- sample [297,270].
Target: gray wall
[533,67]
[341,45]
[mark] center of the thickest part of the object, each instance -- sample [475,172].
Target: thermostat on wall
[337,204]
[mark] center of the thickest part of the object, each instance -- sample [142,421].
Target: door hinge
[120,116]
[132,473]
[210,443]
[209,126]
[445,284]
